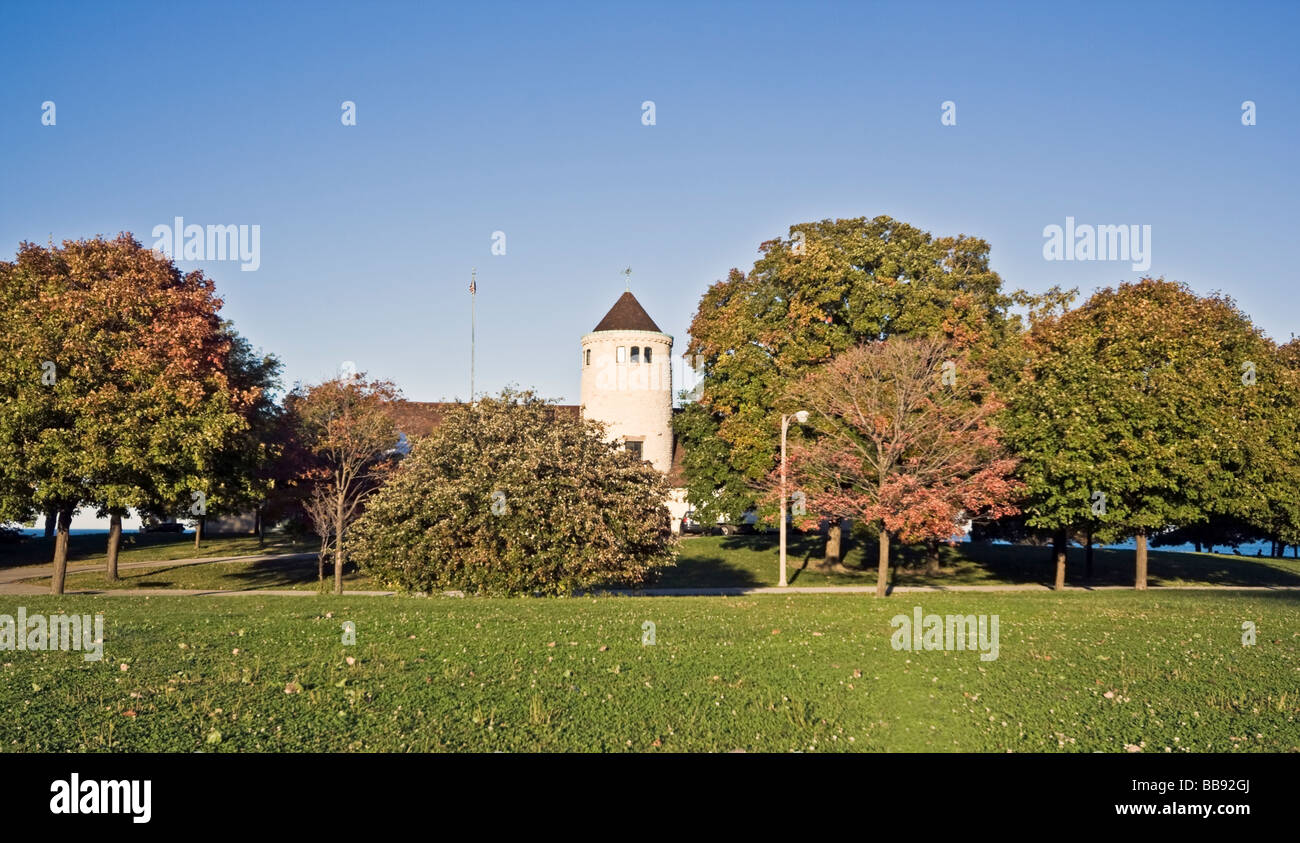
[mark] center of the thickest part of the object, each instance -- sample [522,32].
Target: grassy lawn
[88,549]
[1076,672]
[752,560]
[240,575]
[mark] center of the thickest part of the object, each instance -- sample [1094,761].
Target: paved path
[10,584]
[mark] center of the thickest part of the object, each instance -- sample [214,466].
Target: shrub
[512,497]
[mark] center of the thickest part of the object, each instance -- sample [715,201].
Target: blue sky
[526,119]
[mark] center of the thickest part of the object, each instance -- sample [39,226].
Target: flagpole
[473,292]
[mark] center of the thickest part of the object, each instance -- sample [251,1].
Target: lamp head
[801,417]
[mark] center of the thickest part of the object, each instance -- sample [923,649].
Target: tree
[903,437]
[507,496]
[345,426]
[242,472]
[321,512]
[1134,414]
[116,393]
[833,285]
[1266,462]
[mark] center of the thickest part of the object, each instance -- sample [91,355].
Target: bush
[511,497]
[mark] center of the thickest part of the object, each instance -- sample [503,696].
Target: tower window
[589,357]
[636,355]
[634,448]
[622,354]
[647,354]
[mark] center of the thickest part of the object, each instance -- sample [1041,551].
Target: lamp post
[801,417]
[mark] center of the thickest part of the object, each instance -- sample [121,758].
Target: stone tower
[627,381]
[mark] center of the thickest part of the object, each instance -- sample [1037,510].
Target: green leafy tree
[833,285]
[242,472]
[1132,416]
[509,497]
[116,393]
[1267,459]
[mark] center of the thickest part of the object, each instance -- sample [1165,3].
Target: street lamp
[802,418]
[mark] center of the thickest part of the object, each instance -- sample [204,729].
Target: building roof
[627,314]
[420,418]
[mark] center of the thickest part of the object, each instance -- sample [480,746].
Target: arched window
[589,357]
[647,354]
[622,353]
[636,355]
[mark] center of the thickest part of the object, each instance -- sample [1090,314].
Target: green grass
[237,575]
[752,560]
[89,548]
[1076,672]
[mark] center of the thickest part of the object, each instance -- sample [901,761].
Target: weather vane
[627,274]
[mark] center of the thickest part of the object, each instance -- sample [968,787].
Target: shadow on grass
[752,560]
[225,576]
[93,547]
[1026,564]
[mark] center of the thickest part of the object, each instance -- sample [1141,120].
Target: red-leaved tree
[903,437]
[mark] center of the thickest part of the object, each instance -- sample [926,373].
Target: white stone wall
[678,506]
[634,400]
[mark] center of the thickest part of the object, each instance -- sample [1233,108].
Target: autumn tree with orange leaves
[903,437]
[345,445]
[117,387]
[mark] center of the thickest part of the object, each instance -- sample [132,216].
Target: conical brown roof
[627,314]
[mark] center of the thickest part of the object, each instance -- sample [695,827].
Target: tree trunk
[338,547]
[1198,547]
[932,557]
[1141,583]
[834,543]
[198,530]
[261,539]
[51,518]
[882,570]
[114,542]
[61,551]
[1087,555]
[1058,545]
